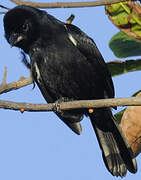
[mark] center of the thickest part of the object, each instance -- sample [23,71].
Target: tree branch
[70,19]
[67,4]
[14,85]
[4,7]
[118,67]
[63,106]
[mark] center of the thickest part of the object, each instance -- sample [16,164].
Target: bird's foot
[57,104]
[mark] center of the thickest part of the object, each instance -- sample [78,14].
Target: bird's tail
[117,154]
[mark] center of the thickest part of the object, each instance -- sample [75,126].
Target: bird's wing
[89,49]
[66,118]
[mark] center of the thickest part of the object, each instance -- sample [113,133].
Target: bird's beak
[15,38]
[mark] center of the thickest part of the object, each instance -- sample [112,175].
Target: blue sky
[38,146]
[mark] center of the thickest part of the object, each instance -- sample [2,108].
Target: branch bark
[63,106]
[4,7]
[4,87]
[15,85]
[67,4]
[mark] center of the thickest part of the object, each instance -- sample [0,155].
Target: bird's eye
[25,27]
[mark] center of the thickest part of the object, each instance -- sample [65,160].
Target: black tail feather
[72,121]
[117,153]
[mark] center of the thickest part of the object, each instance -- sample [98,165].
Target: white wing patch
[72,40]
[70,36]
[37,72]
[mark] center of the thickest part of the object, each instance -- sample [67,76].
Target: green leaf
[119,115]
[125,46]
[127,17]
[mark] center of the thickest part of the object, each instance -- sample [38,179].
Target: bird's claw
[56,107]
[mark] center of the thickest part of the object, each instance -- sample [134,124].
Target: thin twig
[4,7]
[133,101]
[67,4]
[4,77]
[15,85]
[70,19]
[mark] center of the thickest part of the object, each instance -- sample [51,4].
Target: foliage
[126,16]
[124,46]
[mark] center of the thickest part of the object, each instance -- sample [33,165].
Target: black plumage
[66,65]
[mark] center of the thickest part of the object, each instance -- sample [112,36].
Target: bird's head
[21,26]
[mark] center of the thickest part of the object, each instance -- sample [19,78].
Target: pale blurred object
[131,126]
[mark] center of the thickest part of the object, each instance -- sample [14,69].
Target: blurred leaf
[119,115]
[126,16]
[135,94]
[121,67]
[124,46]
[131,126]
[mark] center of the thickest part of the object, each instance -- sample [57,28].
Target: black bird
[67,65]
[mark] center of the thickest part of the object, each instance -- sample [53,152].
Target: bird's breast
[65,73]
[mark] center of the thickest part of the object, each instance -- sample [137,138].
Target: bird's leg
[71,115]
[57,104]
